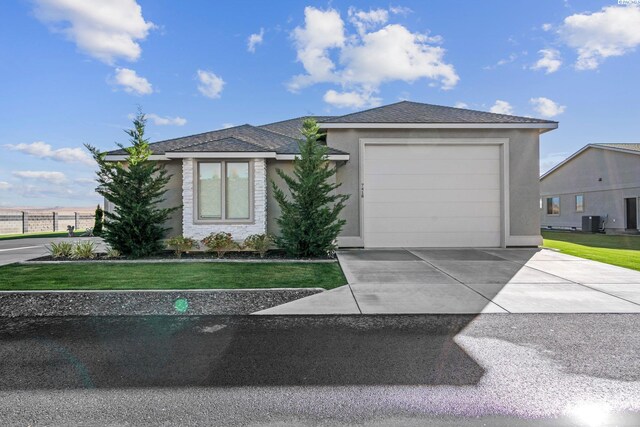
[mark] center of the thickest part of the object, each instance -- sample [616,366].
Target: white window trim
[546,206]
[575,199]
[223,182]
[503,143]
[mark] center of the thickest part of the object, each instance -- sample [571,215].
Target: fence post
[55,221]
[77,218]
[25,222]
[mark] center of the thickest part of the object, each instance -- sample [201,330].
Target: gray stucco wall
[620,174]
[173,197]
[524,191]
[273,209]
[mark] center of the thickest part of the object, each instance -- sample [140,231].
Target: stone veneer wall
[238,231]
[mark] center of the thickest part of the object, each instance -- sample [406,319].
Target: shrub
[220,243]
[181,244]
[259,243]
[84,250]
[61,250]
[112,253]
[97,223]
[135,187]
[309,223]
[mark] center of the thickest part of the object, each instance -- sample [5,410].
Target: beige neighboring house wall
[604,177]
[523,181]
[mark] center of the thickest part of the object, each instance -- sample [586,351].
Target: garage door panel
[462,224]
[437,152]
[430,210]
[436,240]
[432,196]
[439,196]
[433,166]
[433,181]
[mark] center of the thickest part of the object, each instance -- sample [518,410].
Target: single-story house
[598,180]
[419,175]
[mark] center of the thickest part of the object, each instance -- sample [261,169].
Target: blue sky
[72,71]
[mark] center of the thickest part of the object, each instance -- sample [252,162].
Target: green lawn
[623,251]
[31,235]
[88,276]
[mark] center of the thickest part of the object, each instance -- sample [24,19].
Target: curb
[182,261]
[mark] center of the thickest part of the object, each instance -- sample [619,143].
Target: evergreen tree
[135,187]
[309,223]
[97,224]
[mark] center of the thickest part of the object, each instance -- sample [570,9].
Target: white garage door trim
[503,144]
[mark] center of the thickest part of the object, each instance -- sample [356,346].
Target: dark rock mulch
[196,256]
[136,303]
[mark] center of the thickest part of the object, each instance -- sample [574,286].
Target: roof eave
[544,127]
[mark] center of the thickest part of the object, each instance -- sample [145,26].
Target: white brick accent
[238,231]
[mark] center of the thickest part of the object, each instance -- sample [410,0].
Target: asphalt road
[17,250]
[373,370]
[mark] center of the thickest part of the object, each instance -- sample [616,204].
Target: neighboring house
[598,180]
[419,175]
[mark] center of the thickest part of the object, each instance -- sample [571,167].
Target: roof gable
[633,148]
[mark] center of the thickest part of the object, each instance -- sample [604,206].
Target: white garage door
[425,195]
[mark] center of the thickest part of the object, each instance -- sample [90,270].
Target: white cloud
[400,10]
[132,82]
[501,107]
[4,185]
[549,61]
[362,61]
[502,62]
[106,30]
[550,160]
[49,176]
[461,105]
[546,107]
[166,121]
[350,99]
[45,151]
[254,40]
[613,31]
[210,84]
[227,125]
[364,21]
[547,27]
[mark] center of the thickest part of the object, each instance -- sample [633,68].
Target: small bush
[112,253]
[61,250]
[259,243]
[97,224]
[84,250]
[181,244]
[220,243]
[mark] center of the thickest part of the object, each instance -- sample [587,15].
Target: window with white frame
[579,202]
[224,190]
[553,205]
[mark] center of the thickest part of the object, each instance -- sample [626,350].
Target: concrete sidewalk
[18,250]
[472,281]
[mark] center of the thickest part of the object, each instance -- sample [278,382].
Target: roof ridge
[220,139]
[370,109]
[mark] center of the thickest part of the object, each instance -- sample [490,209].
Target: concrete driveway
[19,250]
[409,281]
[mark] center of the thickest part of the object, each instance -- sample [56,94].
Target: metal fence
[34,222]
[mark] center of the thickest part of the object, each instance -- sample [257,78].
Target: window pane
[553,206]
[237,190]
[209,190]
[580,203]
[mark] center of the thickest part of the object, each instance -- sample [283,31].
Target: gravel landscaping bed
[136,303]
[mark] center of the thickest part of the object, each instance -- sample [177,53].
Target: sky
[74,71]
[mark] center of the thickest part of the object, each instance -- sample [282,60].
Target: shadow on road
[156,351]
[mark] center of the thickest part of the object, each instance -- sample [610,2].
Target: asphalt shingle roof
[283,136]
[622,146]
[291,127]
[416,112]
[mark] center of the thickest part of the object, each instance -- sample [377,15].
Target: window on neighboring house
[223,190]
[579,203]
[553,205]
